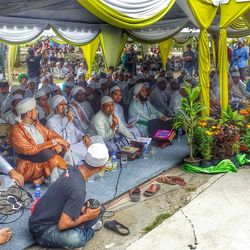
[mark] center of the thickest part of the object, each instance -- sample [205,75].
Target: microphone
[65,112]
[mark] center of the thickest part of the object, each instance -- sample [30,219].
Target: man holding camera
[62,218]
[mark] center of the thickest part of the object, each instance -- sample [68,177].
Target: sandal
[117,227]
[135,194]
[166,180]
[153,188]
[178,180]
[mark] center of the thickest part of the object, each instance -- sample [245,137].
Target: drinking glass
[153,151]
[124,159]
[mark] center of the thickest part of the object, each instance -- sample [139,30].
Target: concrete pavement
[218,218]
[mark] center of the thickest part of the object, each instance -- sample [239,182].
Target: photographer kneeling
[62,218]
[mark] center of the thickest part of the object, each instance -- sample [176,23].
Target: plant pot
[234,161]
[194,162]
[216,161]
[205,164]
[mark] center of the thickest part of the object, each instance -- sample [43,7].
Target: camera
[92,203]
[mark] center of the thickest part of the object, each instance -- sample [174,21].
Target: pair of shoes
[171,180]
[117,227]
[152,189]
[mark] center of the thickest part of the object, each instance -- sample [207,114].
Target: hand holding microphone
[69,115]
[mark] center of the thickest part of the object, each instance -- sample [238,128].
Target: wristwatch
[54,142]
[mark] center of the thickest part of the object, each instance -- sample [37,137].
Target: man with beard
[81,109]
[106,124]
[149,119]
[159,96]
[116,95]
[37,147]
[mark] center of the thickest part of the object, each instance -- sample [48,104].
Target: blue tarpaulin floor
[103,189]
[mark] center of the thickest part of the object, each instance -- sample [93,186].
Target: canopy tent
[147,21]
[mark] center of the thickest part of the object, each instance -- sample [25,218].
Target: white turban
[16,97]
[137,88]
[76,89]
[114,89]
[106,99]
[102,81]
[25,105]
[40,93]
[236,73]
[97,155]
[56,100]
[161,79]
[16,87]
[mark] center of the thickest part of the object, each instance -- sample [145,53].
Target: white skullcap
[102,81]
[139,77]
[161,79]
[58,63]
[97,155]
[40,93]
[55,88]
[46,88]
[76,89]
[131,81]
[146,84]
[69,84]
[106,99]
[16,97]
[184,70]
[182,85]
[152,73]
[44,78]
[188,78]
[235,67]
[56,100]
[31,80]
[25,105]
[137,88]
[235,73]
[16,87]
[114,89]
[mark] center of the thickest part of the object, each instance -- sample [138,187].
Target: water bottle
[38,194]
[114,161]
[145,151]
[179,134]
[38,191]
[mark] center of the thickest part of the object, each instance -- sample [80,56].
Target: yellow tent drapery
[165,48]
[112,42]
[204,14]
[12,53]
[89,52]
[229,13]
[109,15]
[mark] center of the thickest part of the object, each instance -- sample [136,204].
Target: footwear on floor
[135,194]
[152,190]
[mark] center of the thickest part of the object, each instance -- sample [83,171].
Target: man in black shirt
[188,58]
[33,63]
[61,218]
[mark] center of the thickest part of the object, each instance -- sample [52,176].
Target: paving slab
[218,218]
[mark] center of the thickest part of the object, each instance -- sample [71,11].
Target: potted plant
[189,117]
[203,143]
